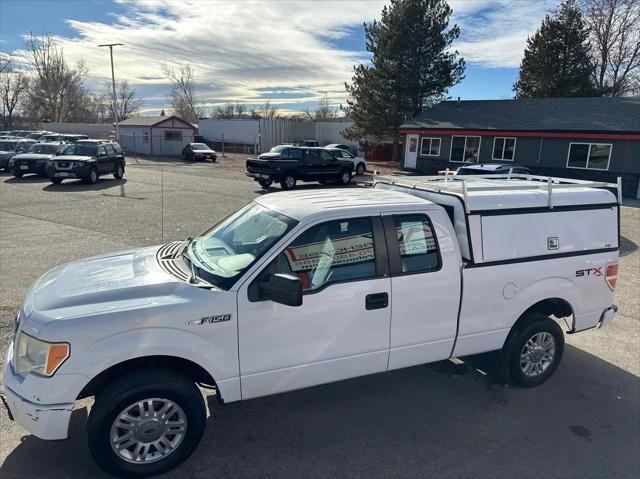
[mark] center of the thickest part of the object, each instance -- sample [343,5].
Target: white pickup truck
[304,288]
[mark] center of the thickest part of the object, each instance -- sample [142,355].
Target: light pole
[113,84]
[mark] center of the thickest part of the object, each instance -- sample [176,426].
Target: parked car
[198,151]
[303,288]
[87,162]
[359,163]
[492,169]
[35,160]
[289,164]
[19,133]
[10,148]
[37,135]
[342,147]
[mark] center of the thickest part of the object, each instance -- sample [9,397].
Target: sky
[292,53]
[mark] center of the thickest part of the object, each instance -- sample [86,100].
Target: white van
[308,287]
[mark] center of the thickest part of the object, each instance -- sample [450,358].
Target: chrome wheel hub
[148,430]
[289,181]
[537,354]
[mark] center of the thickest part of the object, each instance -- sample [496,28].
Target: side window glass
[101,152]
[110,150]
[330,252]
[416,240]
[326,155]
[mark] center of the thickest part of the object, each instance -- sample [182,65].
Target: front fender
[155,341]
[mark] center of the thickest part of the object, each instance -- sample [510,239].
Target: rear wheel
[119,173]
[146,423]
[265,184]
[288,181]
[360,169]
[533,351]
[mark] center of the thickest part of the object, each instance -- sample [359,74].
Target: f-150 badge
[209,320]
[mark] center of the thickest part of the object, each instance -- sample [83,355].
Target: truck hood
[102,284]
[72,158]
[269,156]
[33,156]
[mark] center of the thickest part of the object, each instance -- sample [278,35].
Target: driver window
[326,155]
[101,152]
[330,252]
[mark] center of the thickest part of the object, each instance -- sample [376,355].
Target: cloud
[244,50]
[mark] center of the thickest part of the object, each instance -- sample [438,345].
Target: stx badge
[209,320]
[597,271]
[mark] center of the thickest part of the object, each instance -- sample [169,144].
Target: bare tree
[13,89]
[323,112]
[54,85]
[183,99]
[128,104]
[267,111]
[615,37]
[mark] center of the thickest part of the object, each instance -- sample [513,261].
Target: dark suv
[35,160]
[87,161]
[288,164]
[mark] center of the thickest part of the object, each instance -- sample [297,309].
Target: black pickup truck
[287,164]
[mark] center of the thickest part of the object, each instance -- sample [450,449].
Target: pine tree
[412,67]
[556,61]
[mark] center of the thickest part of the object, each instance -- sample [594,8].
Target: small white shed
[155,135]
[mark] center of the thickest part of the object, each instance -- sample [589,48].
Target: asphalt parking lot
[448,419]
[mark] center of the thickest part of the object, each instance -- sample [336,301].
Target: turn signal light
[611,276]
[58,353]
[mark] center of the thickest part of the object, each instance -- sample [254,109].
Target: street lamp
[113,84]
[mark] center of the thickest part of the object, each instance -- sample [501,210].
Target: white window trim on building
[504,145]
[586,167]
[431,139]
[466,137]
[169,133]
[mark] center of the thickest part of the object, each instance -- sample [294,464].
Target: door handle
[376,301]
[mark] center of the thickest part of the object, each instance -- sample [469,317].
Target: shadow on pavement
[439,420]
[627,246]
[29,178]
[78,185]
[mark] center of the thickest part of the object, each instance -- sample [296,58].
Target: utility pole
[113,84]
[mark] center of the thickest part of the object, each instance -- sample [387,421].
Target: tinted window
[465,148]
[110,150]
[578,155]
[417,244]
[199,146]
[310,155]
[329,253]
[102,151]
[117,147]
[80,150]
[45,149]
[325,155]
[295,153]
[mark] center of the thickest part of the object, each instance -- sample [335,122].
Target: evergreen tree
[556,61]
[412,67]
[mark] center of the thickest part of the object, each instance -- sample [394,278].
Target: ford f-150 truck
[303,288]
[289,164]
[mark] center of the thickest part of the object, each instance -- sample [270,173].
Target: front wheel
[360,169]
[146,423]
[288,182]
[17,173]
[92,177]
[345,177]
[265,184]
[533,352]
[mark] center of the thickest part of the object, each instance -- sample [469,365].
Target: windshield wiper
[194,279]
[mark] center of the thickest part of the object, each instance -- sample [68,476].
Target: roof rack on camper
[468,187]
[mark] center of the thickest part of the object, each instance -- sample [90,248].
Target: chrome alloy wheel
[148,430]
[290,181]
[537,354]
[346,177]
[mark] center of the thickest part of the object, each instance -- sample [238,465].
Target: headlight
[39,357]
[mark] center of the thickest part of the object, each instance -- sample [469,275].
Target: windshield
[44,149]
[8,145]
[199,146]
[80,150]
[223,253]
[278,149]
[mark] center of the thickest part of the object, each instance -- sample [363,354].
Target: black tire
[92,176]
[55,181]
[17,173]
[511,362]
[345,177]
[119,173]
[288,181]
[138,386]
[360,169]
[265,184]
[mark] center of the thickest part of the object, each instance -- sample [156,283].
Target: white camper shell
[514,218]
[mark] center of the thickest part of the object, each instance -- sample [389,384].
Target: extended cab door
[104,160]
[426,283]
[341,330]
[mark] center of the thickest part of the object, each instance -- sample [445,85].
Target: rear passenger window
[329,253]
[110,150]
[295,153]
[417,244]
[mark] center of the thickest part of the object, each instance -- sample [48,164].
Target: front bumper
[30,167]
[259,176]
[44,417]
[74,172]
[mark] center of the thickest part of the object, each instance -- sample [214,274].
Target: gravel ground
[448,419]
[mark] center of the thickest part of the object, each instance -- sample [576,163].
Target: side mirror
[282,288]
